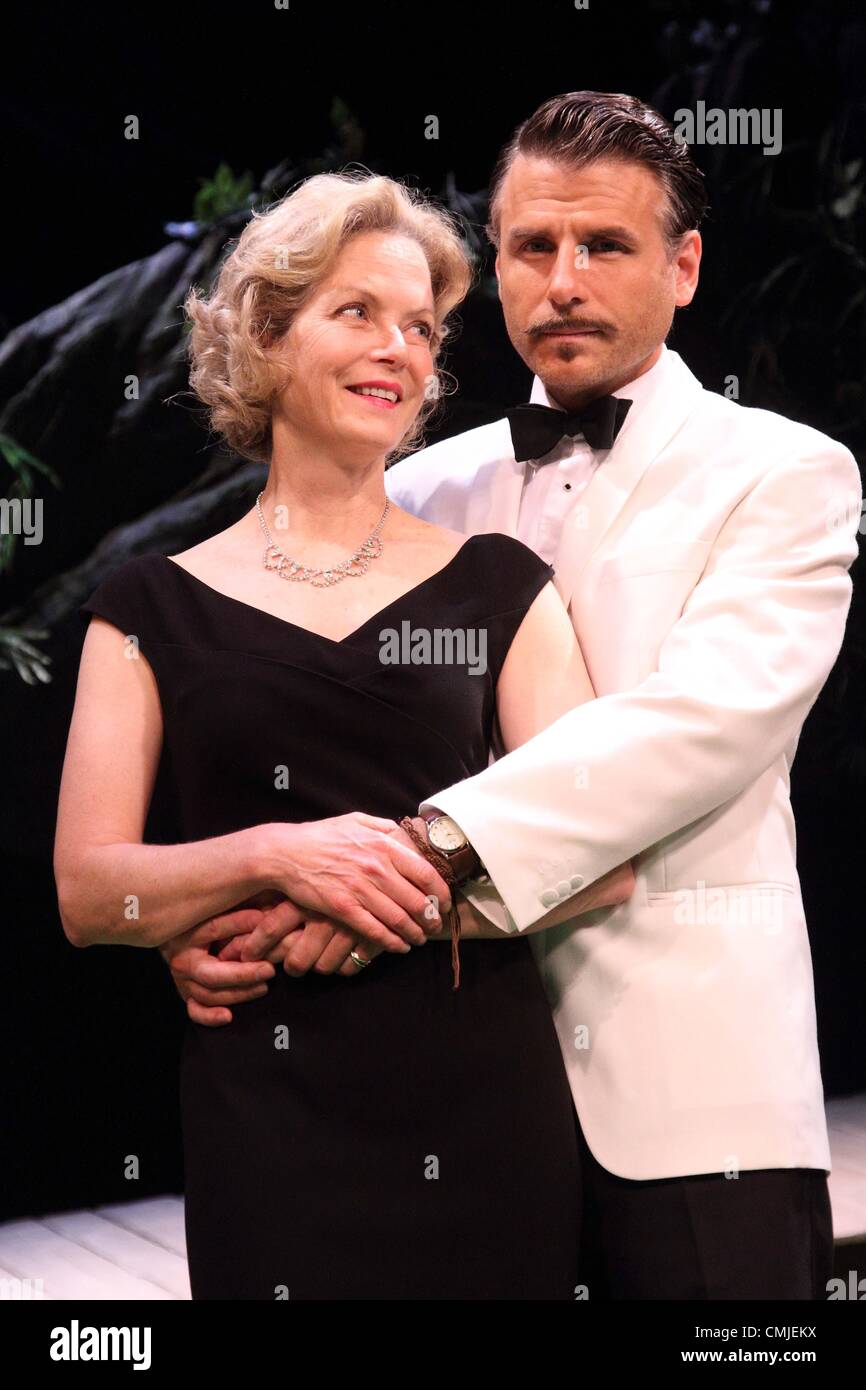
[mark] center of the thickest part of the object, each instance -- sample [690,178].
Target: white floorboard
[846,1125]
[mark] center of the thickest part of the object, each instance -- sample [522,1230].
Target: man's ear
[687,264]
[498,278]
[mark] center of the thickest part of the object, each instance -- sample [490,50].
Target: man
[703,549]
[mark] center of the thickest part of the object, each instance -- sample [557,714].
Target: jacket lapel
[639,442]
[494,487]
[493,501]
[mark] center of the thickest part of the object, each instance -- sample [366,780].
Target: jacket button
[564,889]
[576,880]
[549,897]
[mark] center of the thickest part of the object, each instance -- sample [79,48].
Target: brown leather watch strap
[464,862]
[443,866]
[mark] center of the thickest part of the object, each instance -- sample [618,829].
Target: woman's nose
[393,344]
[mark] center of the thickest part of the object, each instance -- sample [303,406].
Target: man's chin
[552,352]
[574,370]
[571,389]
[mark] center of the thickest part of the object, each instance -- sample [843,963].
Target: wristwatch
[445,835]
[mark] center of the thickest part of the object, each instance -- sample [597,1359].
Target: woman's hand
[362,871]
[326,946]
[317,943]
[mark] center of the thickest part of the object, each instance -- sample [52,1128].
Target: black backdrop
[91,1036]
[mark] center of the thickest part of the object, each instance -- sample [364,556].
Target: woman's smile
[385,396]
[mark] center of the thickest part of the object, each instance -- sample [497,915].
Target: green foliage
[347,129]
[222,194]
[810,302]
[18,653]
[784,277]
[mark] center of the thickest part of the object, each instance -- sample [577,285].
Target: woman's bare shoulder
[223,548]
[442,538]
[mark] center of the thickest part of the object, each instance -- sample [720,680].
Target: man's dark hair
[580,127]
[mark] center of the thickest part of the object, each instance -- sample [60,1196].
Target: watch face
[446,834]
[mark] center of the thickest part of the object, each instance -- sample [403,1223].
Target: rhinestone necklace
[357,564]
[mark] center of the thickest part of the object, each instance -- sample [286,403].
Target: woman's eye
[428,331]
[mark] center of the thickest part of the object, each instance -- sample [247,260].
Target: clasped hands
[358,884]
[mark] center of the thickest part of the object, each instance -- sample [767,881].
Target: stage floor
[137,1250]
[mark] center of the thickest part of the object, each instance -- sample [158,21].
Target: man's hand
[361,871]
[208,984]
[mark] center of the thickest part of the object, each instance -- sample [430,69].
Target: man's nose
[567,282]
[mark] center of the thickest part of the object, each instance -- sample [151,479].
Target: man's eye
[536,242]
[607,246]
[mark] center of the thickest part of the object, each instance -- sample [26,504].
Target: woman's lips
[375,400]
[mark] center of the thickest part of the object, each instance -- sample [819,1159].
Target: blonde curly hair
[279,258]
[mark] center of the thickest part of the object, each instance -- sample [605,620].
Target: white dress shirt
[553,487]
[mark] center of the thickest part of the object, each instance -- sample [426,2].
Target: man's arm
[737,675]
[543,676]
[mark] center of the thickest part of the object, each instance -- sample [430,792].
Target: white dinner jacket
[705,569]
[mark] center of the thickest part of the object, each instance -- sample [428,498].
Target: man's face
[586,321]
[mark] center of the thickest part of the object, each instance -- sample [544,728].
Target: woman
[385,1136]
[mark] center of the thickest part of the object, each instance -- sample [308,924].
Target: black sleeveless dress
[383,1136]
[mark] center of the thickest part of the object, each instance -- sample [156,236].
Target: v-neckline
[311,632]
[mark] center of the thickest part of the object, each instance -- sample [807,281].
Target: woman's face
[368,323]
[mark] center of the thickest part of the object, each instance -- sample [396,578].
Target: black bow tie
[535,429]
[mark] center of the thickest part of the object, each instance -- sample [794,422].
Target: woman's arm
[544,676]
[111,888]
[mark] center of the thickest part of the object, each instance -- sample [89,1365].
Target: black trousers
[763,1235]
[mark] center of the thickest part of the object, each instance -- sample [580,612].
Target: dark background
[92,1036]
